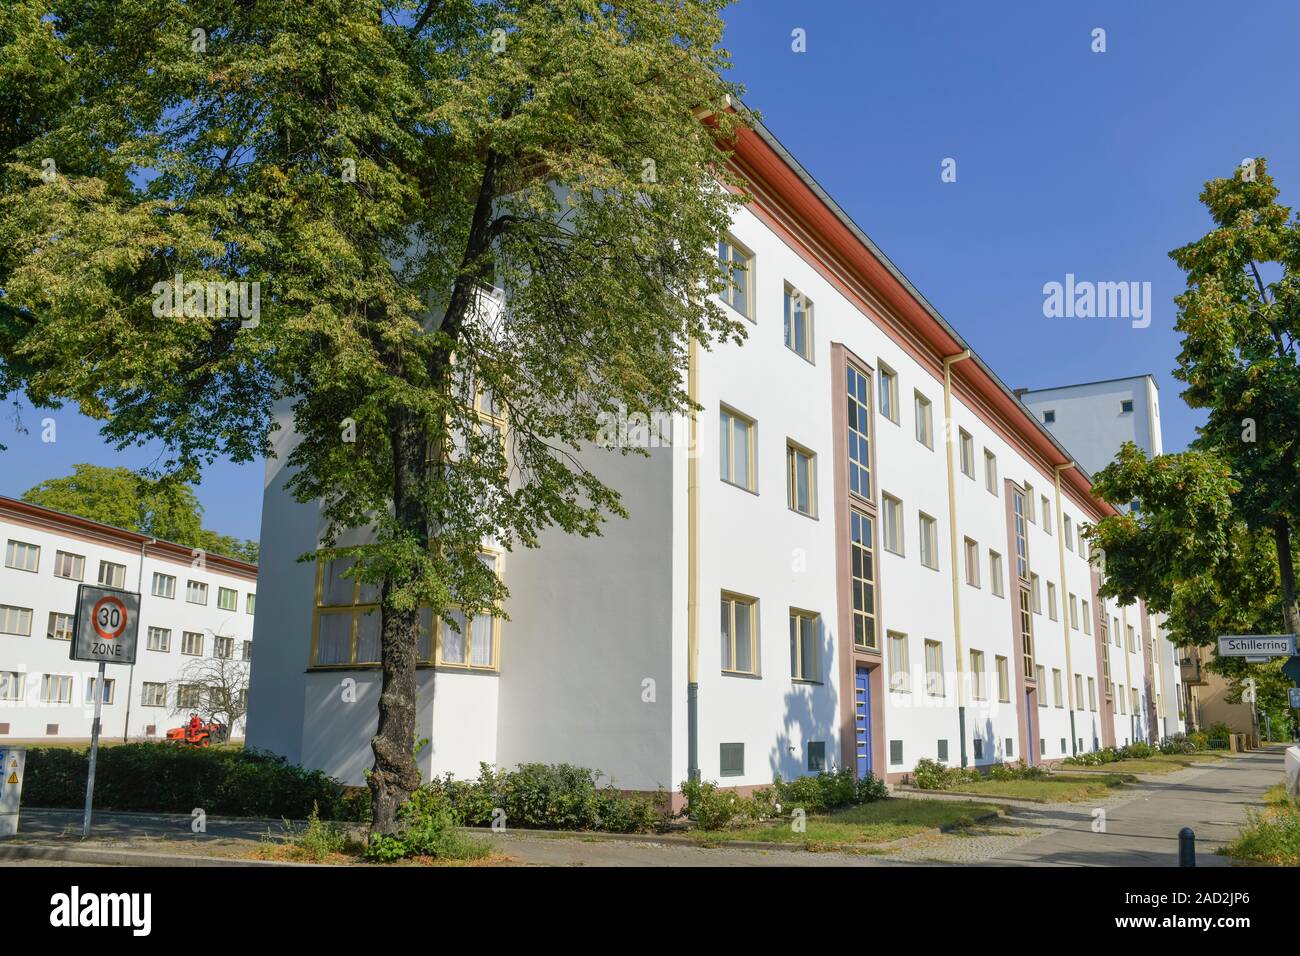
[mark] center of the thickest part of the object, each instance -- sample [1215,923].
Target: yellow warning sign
[13,778]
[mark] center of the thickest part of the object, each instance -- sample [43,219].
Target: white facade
[1093,420]
[594,663]
[46,696]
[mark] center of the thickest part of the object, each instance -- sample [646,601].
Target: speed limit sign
[106,625]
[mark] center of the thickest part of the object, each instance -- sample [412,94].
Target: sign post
[105,630]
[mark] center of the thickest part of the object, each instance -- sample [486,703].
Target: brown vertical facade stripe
[1023,683]
[1105,706]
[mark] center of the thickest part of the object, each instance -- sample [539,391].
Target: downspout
[130,676]
[1065,598]
[1128,678]
[948,363]
[693,569]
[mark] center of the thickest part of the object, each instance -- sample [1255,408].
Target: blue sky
[1067,161]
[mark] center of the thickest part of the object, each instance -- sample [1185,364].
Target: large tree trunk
[1290,610]
[395,775]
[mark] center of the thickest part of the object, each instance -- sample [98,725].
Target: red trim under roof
[58,520]
[761,160]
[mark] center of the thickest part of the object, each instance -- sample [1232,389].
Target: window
[1026,633]
[223,647]
[110,686]
[803,645]
[11,685]
[1074,612]
[990,472]
[737,269]
[934,669]
[924,421]
[112,575]
[164,585]
[798,323]
[189,696]
[1105,655]
[1022,540]
[978,748]
[739,647]
[1092,693]
[862,533]
[1010,746]
[1069,533]
[1083,543]
[995,574]
[1029,502]
[68,565]
[967,446]
[247,654]
[22,557]
[15,620]
[1004,679]
[895,751]
[56,688]
[1078,692]
[196,592]
[153,695]
[1037,593]
[972,550]
[1115,620]
[228,599]
[1137,700]
[900,673]
[192,643]
[1087,618]
[1126,405]
[1123,706]
[731,760]
[736,449]
[1132,646]
[978,690]
[1056,687]
[893,509]
[816,755]
[801,477]
[1049,417]
[60,627]
[475,646]
[250,603]
[888,393]
[942,751]
[345,630]
[159,639]
[1041,673]
[929,541]
[1051,600]
[1047,513]
[859,425]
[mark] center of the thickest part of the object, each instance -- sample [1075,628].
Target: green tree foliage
[1211,544]
[441,200]
[165,509]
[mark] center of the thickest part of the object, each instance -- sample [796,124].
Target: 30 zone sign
[106,626]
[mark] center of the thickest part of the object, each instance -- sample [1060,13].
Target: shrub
[314,841]
[1095,758]
[1178,744]
[1138,750]
[428,827]
[163,778]
[1271,836]
[932,775]
[828,791]
[1016,771]
[710,808]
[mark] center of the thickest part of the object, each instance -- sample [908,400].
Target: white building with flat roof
[872,557]
[192,607]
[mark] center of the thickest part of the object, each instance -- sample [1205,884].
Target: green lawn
[1271,836]
[1157,763]
[1059,787]
[870,823]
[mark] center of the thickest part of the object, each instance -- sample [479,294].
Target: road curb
[116,857]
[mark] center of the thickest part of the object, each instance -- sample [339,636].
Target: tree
[446,206]
[217,689]
[1211,542]
[165,509]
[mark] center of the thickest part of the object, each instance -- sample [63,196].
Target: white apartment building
[835,576]
[1093,420]
[191,607]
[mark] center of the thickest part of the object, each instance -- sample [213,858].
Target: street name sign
[107,625]
[1257,645]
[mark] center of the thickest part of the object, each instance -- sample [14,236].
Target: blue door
[862,718]
[1029,718]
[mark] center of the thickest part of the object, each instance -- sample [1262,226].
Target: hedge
[168,779]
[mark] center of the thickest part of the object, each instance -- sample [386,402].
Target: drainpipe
[693,569]
[1065,598]
[130,675]
[948,363]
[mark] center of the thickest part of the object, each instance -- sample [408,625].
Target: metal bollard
[1186,847]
